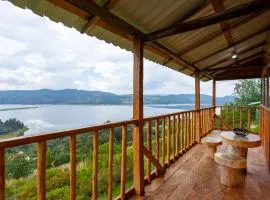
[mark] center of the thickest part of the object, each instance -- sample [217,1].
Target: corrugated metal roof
[148,16]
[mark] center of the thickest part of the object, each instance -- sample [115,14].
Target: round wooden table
[241,144]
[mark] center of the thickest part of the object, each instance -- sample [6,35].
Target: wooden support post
[2,174]
[41,170]
[214,102]
[197,106]
[267,91]
[138,168]
[72,149]
[214,93]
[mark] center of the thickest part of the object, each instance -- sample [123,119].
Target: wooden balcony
[170,147]
[195,176]
[169,143]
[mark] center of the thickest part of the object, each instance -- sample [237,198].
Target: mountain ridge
[75,96]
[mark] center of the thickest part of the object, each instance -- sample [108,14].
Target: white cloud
[38,53]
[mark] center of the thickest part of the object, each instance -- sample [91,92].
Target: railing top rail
[175,113]
[265,107]
[239,106]
[23,140]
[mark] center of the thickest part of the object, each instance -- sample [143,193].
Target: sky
[37,53]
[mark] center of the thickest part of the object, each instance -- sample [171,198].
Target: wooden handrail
[29,139]
[242,120]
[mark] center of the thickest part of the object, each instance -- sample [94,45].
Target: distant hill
[73,96]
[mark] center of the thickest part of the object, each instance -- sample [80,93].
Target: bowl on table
[240,131]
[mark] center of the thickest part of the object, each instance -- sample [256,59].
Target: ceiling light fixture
[234,56]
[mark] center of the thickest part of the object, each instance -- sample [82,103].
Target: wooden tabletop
[249,141]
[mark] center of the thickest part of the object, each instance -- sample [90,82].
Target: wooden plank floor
[195,176]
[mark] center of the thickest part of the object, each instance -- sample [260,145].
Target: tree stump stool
[212,143]
[232,169]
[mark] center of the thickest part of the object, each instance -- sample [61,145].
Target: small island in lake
[11,128]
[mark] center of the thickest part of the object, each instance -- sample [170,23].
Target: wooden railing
[166,138]
[207,119]
[230,117]
[41,141]
[265,131]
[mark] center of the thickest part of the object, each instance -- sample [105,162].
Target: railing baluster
[189,130]
[163,142]
[182,133]
[249,119]
[110,164]
[173,136]
[186,131]
[233,117]
[240,117]
[221,118]
[157,142]
[149,146]
[124,162]
[177,135]
[227,124]
[41,170]
[203,121]
[194,126]
[72,149]
[95,166]
[2,174]
[168,140]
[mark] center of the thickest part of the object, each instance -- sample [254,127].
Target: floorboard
[196,176]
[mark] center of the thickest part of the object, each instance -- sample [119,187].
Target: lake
[47,118]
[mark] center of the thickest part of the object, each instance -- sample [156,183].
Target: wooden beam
[228,14]
[219,33]
[243,40]
[197,107]
[71,8]
[176,57]
[138,159]
[249,49]
[105,15]
[241,61]
[219,7]
[214,93]
[235,68]
[200,6]
[197,91]
[92,21]
[153,160]
[252,73]
[236,78]
[118,26]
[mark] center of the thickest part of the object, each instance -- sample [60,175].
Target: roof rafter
[218,33]
[218,7]
[241,61]
[239,54]
[233,68]
[117,23]
[231,13]
[243,40]
[92,21]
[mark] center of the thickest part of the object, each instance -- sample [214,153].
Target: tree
[247,91]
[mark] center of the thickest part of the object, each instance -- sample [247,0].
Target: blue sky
[38,53]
